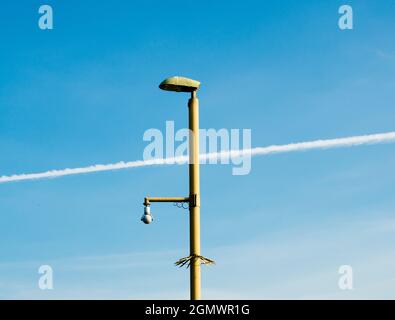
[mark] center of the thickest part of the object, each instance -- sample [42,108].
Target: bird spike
[187,260]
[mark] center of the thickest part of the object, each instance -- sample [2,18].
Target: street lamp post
[194,260]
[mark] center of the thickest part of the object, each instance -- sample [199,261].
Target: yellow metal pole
[194,195]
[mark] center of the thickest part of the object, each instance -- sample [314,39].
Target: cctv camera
[147,217]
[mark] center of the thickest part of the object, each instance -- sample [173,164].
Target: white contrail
[317,144]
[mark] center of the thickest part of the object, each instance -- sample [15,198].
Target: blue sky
[86,91]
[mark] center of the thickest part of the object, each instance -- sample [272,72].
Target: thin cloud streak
[388,137]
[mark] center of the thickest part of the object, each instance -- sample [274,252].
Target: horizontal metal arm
[148,200]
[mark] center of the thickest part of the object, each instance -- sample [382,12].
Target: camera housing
[147,218]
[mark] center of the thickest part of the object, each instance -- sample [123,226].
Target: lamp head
[179,84]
